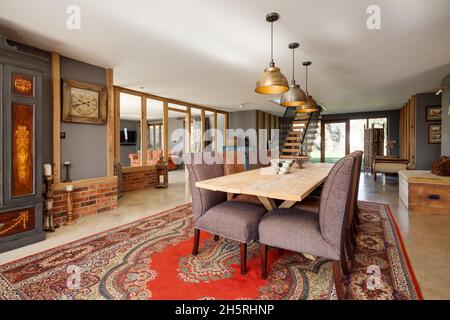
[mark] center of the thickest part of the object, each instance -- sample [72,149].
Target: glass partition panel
[155,115]
[130,130]
[208,136]
[177,137]
[196,130]
[220,132]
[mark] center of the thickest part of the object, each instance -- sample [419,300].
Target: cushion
[233,220]
[441,167]
[295,230]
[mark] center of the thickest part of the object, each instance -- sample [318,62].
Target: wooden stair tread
[295,157]
[292,144]
[291,150]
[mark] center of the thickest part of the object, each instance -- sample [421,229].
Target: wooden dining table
[269,186]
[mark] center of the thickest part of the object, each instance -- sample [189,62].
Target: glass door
[334,146]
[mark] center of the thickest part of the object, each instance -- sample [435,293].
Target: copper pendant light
[295,97]
[272,81]
[311,104]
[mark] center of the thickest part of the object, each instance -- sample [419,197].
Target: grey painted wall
[425,153]
[85,144]
[242,120]
[445,147]
[126,150]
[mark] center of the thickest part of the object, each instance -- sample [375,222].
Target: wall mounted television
[128,138]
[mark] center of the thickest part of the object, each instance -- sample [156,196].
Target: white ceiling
[212,52]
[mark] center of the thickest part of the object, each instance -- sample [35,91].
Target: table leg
[287,204]
[268,203]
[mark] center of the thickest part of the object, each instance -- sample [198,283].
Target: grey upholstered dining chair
[312,204]
[320,234]
[212,212]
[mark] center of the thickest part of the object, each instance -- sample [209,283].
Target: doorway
[340,137]
[335,141]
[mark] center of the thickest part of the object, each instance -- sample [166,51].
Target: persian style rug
[151,259]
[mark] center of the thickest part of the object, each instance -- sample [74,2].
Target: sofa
[153,157]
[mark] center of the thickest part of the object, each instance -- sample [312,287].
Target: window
[130,130]
[208,134]
[220,142]
[155,115]
[196,130]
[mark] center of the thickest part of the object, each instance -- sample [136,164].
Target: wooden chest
[425,192]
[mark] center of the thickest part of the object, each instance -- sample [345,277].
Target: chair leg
[344,261]
[216,238]
[338,282]
[243,258]
[263,250]
[196,242]
[356,216]
[352,233]
[350,254]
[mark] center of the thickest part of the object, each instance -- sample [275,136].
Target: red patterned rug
[150,259]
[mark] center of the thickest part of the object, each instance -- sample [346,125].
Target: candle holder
[67,167]
[49,224]
[70,217]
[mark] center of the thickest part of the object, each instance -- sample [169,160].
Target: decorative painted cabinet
[373,146]
[20,137]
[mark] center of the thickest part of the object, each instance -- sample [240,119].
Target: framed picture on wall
[434,113]
[434,134]
[83,102]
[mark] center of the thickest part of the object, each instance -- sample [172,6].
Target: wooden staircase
[296,145]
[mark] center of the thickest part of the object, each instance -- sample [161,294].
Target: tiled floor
[427,237]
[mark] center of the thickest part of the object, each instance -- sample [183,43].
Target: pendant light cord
[307,81]
[271,43]
[293,66]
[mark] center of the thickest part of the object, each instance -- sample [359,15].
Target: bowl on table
[282,166]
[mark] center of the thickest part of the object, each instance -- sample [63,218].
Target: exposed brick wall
[89,200]
[139,178]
